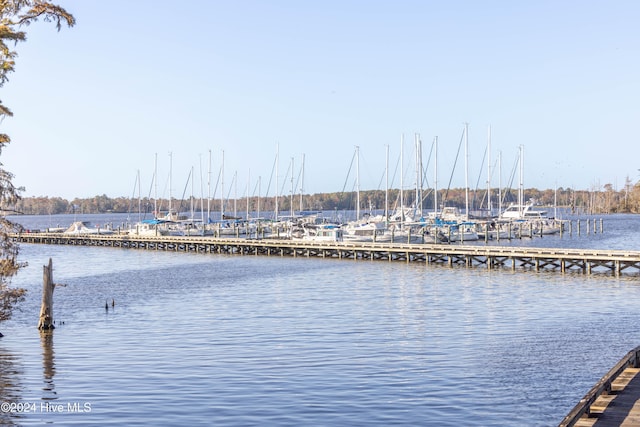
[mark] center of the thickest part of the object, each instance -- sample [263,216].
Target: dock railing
[632,359]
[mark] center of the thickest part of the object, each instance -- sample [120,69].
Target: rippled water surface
[242,340]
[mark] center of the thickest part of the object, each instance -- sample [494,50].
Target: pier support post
[46,309]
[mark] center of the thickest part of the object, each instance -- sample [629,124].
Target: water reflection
[48,365]
[10,387]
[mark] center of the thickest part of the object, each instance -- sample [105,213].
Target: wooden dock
[586,261]
[614,400]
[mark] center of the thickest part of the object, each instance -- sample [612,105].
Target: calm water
[240,341]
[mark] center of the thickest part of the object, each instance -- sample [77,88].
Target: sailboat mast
[555,201]
[209,190]
[192,198]
[235,194]
[499,182]
[302,182]
[357,182]
[386,187]
[170,174]
[435,177]
[401,178]
[259,183]
[418,174]
[201,193]
[521,184]
[222,188]
[155,183]
[277,155]
[489,170]
[248,191]
[139,198]
[292,189]
[466,167]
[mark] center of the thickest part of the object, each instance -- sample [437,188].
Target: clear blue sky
[94,104]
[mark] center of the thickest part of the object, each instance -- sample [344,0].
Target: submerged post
[46,309]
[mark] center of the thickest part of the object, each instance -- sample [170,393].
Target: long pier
[586,261]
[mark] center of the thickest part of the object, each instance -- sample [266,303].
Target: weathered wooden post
[46,309]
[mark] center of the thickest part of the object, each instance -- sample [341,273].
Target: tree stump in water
[46,309]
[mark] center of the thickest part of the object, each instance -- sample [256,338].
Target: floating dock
[614,400]
[586,261]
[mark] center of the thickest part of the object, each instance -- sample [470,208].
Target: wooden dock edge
[585,261]
[602,387]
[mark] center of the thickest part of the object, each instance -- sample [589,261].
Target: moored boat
[84,227]
[317,233]
[149,227]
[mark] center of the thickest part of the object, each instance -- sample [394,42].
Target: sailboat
[84,227]
[362,229]
[524,216]
[450,222]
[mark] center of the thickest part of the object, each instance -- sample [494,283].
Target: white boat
[461,232]
[530,221]
[149,228]
[317,233]
[451,225]
[549,226]
[407,233]
[450,214]
[228,228]
[537,227]
[525,212]
[83,227]
[493,230]
[363,231]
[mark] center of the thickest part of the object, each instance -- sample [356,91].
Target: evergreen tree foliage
[15,16]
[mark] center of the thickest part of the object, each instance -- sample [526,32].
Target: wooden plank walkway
[535,259]
[614,400]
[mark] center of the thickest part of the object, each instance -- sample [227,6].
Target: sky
[206,95]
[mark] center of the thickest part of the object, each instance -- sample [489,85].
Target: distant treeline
[602,201]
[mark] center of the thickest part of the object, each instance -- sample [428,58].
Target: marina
[341,234]
[289,331]
[584,261]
